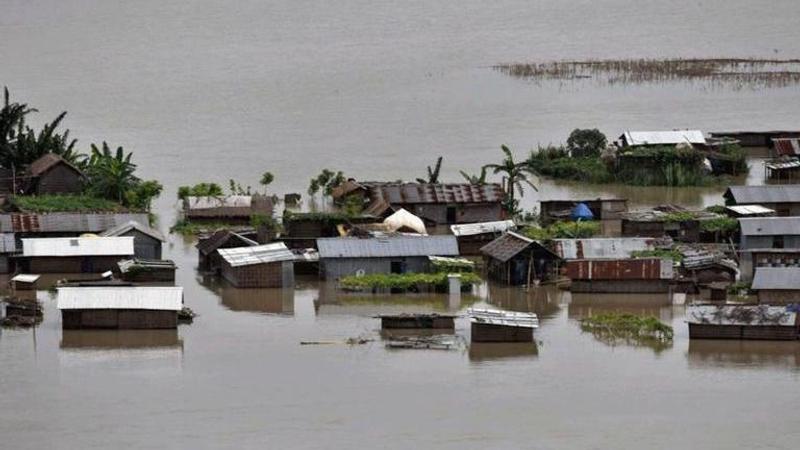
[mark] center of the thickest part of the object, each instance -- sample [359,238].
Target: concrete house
[261,266]
[339,257]
[146,241]
[777,285]
[768,242]
[784,199]
[52,174]
[73,255]
[125,307]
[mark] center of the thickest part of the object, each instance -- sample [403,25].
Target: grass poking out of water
[403,281]
[615,328]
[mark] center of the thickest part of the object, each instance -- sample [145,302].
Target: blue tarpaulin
[582,212]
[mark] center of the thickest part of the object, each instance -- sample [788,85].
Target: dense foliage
[326,182]
[586,142]
[404,281]
[725,225]
[672,254]
[628,328]
[564,230]
[200,190]
[555,162]
[53,203]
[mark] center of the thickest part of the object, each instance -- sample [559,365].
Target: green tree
[326,182]
[586,142]
[111,174]
[266,179]
[200,190]
[12,122]
[514,175]
[141,196]
[433,173]
[479,180]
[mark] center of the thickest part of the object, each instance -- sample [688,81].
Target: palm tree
[514,175]
[111,174]
[433,173]
[479,180]
[12,123]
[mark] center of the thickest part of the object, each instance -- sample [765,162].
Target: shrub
[404,281]
[200,190]
[586,143]
[564,230]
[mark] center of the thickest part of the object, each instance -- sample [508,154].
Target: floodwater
[206,90]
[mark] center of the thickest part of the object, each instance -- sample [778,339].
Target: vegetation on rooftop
[204,189]
[672,254]
[724,225]
[614,328]
[187,228]
[65,203]
[563,230]
[403,281]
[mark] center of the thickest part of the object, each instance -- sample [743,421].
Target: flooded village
[288,225]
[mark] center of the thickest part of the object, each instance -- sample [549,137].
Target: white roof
[260,254]
[746,210]
[160,298]
[80,246]
[231,201]
[634,138]
[26,278]
[404,219]
[471,229]
[504,318]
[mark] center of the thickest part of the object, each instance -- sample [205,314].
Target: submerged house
[235,209]
[665,221]
[601,209]
[783,199]
[73,255]
[768,242]
[52,174]
[746,322]
[125,307]
[147,270]
[777,285]
[438,204]
[146,241]
[261,266]
[656,138]
[339,257]
[518,260]
[645,275]
[604,248]
[63,224]
[473,236]
[208,257]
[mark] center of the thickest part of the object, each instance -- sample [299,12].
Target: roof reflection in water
[488,351]
[542,300]
[735,354]
[120,347]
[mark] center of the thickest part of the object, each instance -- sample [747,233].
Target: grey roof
[385,247]
[634,138]
[7,243]
[127,264]
[472,229]
[770,226]
[260,254]
[123,228]
[160,298]
[776,193]
[786,278]
[80,246]
[66,222]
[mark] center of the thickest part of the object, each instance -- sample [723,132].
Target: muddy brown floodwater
[209,90]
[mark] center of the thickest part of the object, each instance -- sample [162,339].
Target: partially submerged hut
[64,224]
[234,209]
[473,236]
[133,307]
[490,325]
[749,322]
[52,174]
[261,266]
[146,241]
[602,209]
[783,199]
[391,254]
[147,270]
[604,248]
[24,282]
[209,259]
[518,260]
[665,221]
[658,138]
[439,204]
[777,285]
[645,275]
[73,255]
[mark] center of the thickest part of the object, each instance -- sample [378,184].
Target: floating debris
[737,73]
[186,315]
[439,342]
[349,341]
[22,313]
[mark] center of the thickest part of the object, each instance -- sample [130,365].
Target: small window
[777,242]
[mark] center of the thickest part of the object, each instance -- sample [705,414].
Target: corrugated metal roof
[121,229]
[66,222]
[160,298]
[599,248]
[786,146]
[231,201]
[128,264]
[80,246]
[220,238]
[7,243]
[762,315]
[770,278]
[634,138]
[416,193]
[260,254]
[775,193]
[384,247]
[770,226]
[503,318]
[511,244]
[748,210]
[472,229]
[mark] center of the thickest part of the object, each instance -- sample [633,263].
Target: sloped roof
[403,219]
[121,229]
[66,222]
[634,138]
[510,245]
[472,229]
[771,278]
[128,264]
[770,226]
[220,238]
[159,298]
[47,162]
[384,247]
[259,254]
[748,210]
[417,193]
[774,193]
[80,246]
